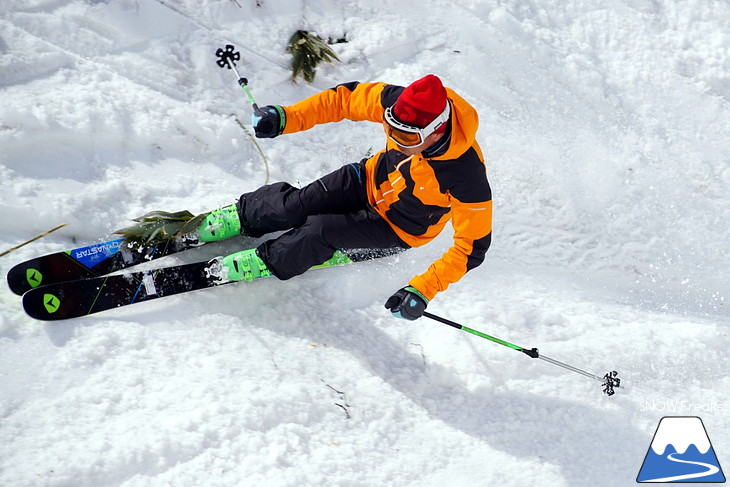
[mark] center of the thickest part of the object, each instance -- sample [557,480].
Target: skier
[431,171]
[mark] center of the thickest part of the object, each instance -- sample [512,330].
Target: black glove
[269,121]
[408,303]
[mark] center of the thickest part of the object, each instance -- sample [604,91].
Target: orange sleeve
[472,224]
[352,101]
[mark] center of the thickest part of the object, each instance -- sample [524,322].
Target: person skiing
[431,171]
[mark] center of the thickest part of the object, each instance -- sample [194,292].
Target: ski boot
[245,265]
[220,224]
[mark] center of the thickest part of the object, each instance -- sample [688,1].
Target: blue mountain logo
[681,452]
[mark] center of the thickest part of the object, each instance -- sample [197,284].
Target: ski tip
[22,278]
[43,305]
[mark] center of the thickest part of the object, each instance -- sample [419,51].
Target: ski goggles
[409,136]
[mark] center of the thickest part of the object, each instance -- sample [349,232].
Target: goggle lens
[405,139]
[408,136]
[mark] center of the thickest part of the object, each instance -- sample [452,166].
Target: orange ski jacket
[417,195]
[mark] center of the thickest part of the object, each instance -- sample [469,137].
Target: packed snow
[605,127]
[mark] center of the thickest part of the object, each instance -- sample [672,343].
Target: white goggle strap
[438,121]
[423,132]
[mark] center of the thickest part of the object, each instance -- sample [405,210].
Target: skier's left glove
[269,121]
[407,303]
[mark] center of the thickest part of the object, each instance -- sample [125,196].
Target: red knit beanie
[421,102]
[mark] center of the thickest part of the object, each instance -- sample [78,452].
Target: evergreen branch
[308,50]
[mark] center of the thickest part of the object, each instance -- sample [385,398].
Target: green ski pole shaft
[610,380]
[244,84]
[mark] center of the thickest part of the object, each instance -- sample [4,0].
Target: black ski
[73,299]
[90,261]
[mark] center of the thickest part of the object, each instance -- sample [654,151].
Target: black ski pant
[329,214]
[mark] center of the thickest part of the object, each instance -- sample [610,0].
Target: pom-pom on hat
[421,102]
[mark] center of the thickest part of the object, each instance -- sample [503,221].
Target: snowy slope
[606,134]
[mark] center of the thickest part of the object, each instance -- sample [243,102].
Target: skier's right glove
[407,303]
[269,121]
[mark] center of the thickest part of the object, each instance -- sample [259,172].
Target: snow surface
[605,126]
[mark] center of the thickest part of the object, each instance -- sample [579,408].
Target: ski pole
[227,58]
[609,381]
